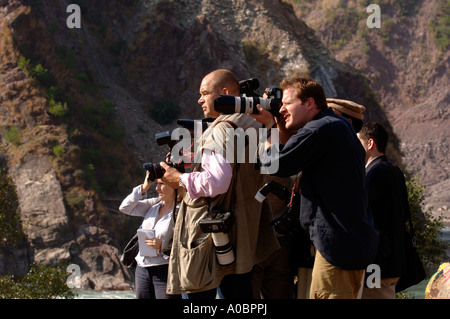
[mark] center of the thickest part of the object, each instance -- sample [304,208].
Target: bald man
[217,183]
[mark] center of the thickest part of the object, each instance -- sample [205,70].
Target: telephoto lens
[230,104]
[272,187]
[223,248]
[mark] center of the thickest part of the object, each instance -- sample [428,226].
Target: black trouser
[151,283]
[232,287]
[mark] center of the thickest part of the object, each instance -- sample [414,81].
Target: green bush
[54,107]
[441,26]
[41,74]
[37,71]
[10,224]
[58,151]
[427,228]
[42,282]
[12,135]
[24,64]
[57,108]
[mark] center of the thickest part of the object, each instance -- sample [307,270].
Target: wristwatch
[180,183]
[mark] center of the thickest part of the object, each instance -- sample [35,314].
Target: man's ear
[311,106]
[225,91]
[370,144]
[311,103]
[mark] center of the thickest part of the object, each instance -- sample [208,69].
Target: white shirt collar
[372,160]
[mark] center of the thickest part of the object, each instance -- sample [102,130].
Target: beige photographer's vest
[193,265]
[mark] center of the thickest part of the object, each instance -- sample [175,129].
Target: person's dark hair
[376,132]
[306,88]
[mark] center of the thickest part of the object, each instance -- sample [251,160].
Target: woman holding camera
[151,272]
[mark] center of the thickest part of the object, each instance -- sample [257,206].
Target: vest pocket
[196,265]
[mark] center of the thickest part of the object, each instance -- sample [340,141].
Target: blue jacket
[334,207]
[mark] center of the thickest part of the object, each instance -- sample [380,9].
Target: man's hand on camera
[264,117]
[171,177]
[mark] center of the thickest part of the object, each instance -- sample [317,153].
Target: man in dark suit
[387,195]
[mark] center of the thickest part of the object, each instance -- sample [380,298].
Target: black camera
[218,224]
[249,87]
[165,138]
[288,222]
[246,103]
[156,170]
[190,124]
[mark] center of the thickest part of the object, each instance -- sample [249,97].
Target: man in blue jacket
[333,196]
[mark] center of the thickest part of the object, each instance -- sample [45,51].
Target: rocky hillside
[407,63]
[79,108]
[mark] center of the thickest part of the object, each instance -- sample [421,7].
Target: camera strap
[174,211]
[296,187]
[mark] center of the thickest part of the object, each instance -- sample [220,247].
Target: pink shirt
[213,180]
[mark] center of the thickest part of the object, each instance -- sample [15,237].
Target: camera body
[219,225]
[156,171]
[220,221]
[165,138]
[190,124]
[288,221]
[248,87]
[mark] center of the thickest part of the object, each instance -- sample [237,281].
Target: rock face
[52,240]
[41,203]
[53,236]
[93,251]
[425,131]
[168,46]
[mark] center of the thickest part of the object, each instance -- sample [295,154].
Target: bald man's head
[224,79]
[213,85]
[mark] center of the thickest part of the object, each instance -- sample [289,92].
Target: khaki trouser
[386,290]
[330,282]
[304,283]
